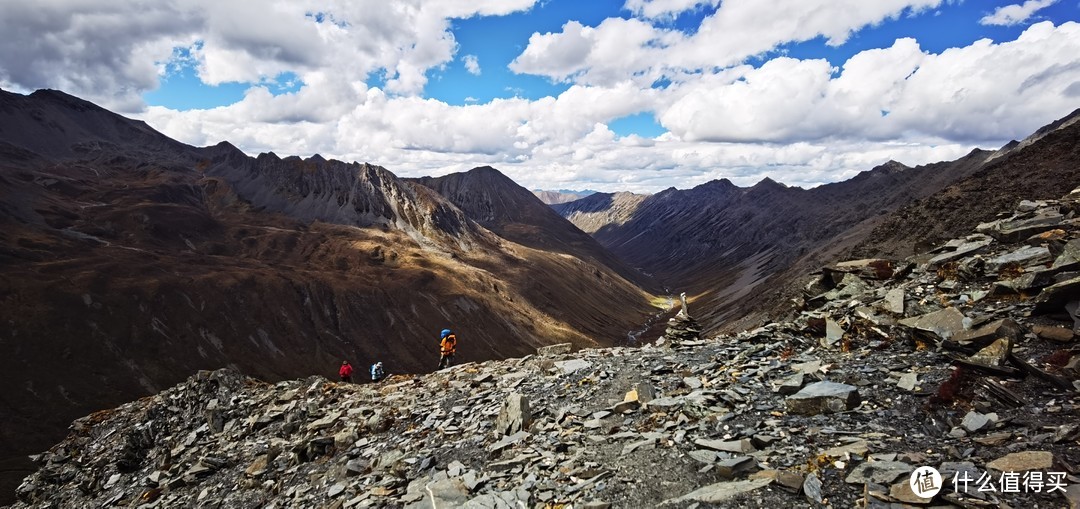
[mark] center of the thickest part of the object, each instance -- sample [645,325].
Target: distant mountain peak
[767,183]
[723,183]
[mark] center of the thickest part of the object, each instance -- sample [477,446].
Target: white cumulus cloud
[618,49]
[660,9]
[472,64]
[113,52]
[798,121]
[801,122]
[1016,13]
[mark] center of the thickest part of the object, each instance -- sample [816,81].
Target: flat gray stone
[1069,259]
[963,250]
[573,365]
[807,367]
[646,444]
[854,449]
[989,333]
[720,492]
[946,323]
[878,472]
[894,301]
[833,331]
[1053,297]
[704,455]
[1025,256]
[902,491]
[823,397]
[514,416]
[1072,496]
[791,384]
[908,381]
[732,468]
[738,446]
[849,287]
[446,493]
[812,488]
[561,348]
[625,406]
[974,421]
[1023,461]
[950,469]
[508,441]
[664,404]
[993,355]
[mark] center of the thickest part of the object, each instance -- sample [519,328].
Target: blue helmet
[445,332]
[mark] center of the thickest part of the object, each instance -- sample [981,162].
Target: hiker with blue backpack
[377,372]
[447,348]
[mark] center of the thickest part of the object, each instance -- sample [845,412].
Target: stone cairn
[682,327]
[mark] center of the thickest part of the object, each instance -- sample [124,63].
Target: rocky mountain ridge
[964,359]
[733,249]
[1043,167]
[561,196]
[129,260]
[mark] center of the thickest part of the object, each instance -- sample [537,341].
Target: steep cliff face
[601,209]
[128,260]
[516,214]
[554,197]
[354,194]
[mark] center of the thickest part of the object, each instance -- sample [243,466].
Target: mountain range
[129,260]
[738,251]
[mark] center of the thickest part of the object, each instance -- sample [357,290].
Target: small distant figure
[345,372]
[448,347]
[377,372]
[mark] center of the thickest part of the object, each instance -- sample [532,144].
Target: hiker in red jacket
[345,371]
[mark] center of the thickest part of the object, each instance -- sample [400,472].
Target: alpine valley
[187,308]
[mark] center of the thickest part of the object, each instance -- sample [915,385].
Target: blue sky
[612,95]
[496,40]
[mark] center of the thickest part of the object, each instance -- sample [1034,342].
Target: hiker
[376,371]
[447,348]
[345,372]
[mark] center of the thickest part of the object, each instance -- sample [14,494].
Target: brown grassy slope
[1046,169]
[516,214]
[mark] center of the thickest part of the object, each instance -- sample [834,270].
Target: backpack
[449,343]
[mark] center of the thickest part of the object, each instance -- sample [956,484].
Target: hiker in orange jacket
[345,371]
[447,348]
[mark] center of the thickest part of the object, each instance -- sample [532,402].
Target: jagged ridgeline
[738,250]
[962,358]
[128,261]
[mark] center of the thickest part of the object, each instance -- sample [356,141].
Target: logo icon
[925,482]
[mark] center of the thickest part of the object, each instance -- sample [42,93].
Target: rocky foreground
[963,359]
